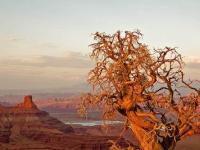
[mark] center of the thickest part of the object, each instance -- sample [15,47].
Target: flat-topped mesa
[28,103]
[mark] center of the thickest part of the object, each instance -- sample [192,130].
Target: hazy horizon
[44,44]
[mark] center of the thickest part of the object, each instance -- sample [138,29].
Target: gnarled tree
[145,86]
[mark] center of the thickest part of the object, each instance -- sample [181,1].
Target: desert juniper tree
[145,86]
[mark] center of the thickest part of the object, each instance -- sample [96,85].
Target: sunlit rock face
[27,114]
[27,117]
[24,126]
[28,103]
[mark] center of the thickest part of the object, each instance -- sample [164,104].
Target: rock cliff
[24,126]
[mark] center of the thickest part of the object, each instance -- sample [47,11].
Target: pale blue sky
[31,29]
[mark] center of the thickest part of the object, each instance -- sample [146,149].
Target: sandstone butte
[24,127]
[28,103]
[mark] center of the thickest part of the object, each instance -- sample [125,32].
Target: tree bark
[147,140]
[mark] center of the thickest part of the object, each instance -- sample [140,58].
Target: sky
[44,43]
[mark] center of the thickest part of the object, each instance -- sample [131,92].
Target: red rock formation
[5,132]
[26,127]
[28,103]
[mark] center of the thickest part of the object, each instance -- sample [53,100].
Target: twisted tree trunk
[146,139]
